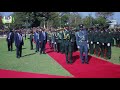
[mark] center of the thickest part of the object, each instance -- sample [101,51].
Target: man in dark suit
[31,40]
[36,38]
[18,43]
[10,40]
[43,40]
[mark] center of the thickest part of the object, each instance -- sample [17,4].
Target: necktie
[20,37]
[9,35]
[44,35]
[38,35]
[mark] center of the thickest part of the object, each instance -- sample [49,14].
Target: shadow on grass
[22,49]
[28,54]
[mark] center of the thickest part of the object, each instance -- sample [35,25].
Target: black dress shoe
[18,56]
[44,53]
[86,62]
[70,62]
[67,62]
[82,62]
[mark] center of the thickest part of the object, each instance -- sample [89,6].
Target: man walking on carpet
[81,41]
[43,40]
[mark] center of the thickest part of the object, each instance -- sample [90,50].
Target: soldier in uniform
[112,34]
[116,37]
[56,42]
[119,39]
[108,44]
[62,47]
[49,37]
[52,40]
[90,41]
[97,41]
[73,41]
[59,41]
[67,44]
[81,40]
[102,42]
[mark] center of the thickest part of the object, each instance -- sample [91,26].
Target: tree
[101,21]
[106,15]
[1,24]
[55,19]
[88,21]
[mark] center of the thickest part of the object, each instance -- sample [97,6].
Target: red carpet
[18,74]
[96,68]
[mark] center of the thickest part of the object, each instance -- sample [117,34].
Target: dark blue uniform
[81,41]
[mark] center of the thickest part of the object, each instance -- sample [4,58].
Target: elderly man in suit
[18,43]
[43,40]
[36,39]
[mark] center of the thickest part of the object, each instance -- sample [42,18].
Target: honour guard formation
[93,40]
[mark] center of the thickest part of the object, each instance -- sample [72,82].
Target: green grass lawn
[30,62]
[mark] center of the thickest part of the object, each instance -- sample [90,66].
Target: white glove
[97,42]
[78,47]
[88,46]
[108,44]
[91,42]
[87,41]
[55,42]
[102,43]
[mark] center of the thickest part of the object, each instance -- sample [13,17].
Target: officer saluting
[81,40]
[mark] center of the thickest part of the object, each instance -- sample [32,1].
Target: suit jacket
[41,37]
[17,41]
[11,37]
[36,37]
[31,37]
